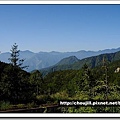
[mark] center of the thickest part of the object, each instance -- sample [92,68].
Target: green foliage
[59,81]
[81,110]
[60,96]
[31,105]
[36,81]
[89,83]
[5,105]
[20,106]
[43,99]
[13,84]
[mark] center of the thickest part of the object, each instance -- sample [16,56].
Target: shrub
[60,96]
[31,105]
[43,99]
[5,105]
[20,105]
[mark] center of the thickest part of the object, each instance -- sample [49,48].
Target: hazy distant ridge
[75,64]
[45,59]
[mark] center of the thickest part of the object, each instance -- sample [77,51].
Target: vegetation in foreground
[26,90]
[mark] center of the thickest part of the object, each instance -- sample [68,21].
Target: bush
[43,99]
[31,105]
[20,105]
[5,105]
[60,96]
[86,109]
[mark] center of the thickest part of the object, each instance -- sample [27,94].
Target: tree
[88,82]
[106,90]
[14,59]
[15,68]
[102,86]
[36,80]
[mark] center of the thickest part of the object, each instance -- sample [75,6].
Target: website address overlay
[88,103]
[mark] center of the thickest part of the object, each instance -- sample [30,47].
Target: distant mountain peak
[27,51]
[68,60]
[52,58]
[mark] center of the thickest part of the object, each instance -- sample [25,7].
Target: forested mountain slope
[90,61]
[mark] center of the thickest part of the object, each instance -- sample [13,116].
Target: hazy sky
[59,27]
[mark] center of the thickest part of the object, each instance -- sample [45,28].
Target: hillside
[90,61]
[22,89]
[68,61]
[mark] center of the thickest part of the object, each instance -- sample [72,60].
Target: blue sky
[59,27]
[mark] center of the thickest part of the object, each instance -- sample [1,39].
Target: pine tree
[88,81]
[16,66]
[14,59]
[36,81]
[106,91]
[105,78]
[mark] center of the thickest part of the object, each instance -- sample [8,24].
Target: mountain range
[42,60]
[75,64]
